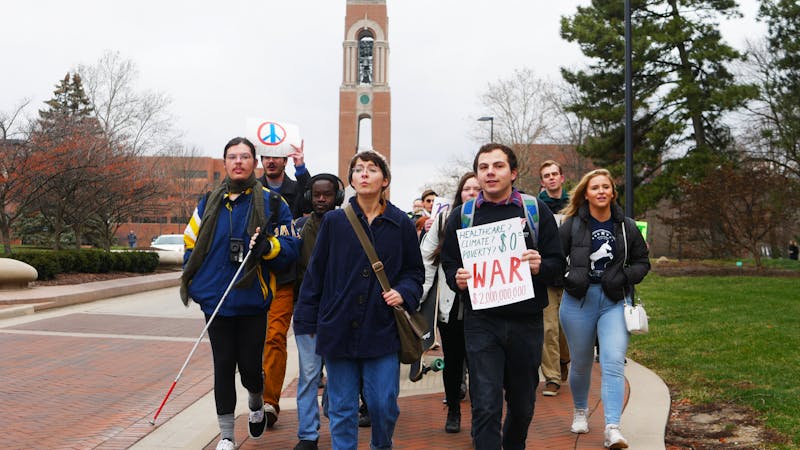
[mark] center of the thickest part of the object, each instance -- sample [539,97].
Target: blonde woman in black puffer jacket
[607,257]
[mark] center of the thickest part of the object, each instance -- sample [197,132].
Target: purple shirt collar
[515,198]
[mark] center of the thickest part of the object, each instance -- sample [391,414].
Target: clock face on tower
[364,99]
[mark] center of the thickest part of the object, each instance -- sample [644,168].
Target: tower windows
[366,43]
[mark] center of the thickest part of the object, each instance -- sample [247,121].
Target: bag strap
[377,265]
[625,261]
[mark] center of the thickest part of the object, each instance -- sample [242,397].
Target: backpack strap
[532,215]
[467,213]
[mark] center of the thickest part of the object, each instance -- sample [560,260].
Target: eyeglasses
[243,157]
[371,169]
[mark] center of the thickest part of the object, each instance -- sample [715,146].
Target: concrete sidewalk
[189,421]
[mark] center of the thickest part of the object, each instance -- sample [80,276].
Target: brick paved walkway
[421,425]
[85,380]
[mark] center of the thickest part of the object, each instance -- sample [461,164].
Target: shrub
[44,263]
[50,263]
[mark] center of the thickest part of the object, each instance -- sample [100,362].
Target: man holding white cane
[216,242]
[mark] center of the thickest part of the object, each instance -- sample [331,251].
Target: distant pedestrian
[793,250]
[132,239]
[607,257]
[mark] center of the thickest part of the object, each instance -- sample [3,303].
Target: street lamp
[490,119]
[628,114]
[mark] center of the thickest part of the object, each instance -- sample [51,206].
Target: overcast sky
[222,62]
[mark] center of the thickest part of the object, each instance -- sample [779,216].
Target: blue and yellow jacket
[215,274]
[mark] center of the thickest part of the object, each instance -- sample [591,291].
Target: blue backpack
[531,215]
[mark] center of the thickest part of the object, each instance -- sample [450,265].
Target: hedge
[50,263]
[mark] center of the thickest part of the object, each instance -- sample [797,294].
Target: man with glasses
[280,312]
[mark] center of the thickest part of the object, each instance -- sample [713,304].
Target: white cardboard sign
[492,254]
[272,137]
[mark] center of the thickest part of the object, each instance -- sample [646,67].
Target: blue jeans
[381,377]
[307,386]
[582,320]
[503,353]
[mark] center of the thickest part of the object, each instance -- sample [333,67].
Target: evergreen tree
[71,144]
[780,120]
[68,105]
[681,87]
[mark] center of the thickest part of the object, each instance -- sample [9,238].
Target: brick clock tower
[364,97]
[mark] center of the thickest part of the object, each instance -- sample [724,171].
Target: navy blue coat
[340,299]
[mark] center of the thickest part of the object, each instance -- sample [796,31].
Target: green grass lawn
[727,339]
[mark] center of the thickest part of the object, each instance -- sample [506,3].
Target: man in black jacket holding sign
[504,343]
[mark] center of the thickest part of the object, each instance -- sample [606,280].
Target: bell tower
[364,96]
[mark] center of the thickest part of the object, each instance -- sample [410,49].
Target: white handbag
[635,315]
[635,318]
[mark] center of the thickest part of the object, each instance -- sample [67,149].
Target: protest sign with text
[492,253]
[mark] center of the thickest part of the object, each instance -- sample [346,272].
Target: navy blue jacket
[340,299]
[216,272]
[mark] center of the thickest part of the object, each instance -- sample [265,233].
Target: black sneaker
[256,423]
[363,417]
[453,423]
[271,413]
[306,445]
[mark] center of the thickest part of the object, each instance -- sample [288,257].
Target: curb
[42,298]
[644,418]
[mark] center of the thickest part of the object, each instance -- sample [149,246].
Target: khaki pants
[274,361]
[554,348]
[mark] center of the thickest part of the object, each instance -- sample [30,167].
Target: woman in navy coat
[342,302]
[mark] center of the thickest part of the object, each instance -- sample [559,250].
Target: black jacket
[547,245]
[617,280]
[292,191]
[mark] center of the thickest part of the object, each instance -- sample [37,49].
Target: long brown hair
[577,196]
[457,200]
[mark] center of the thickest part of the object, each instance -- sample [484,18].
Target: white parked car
[173,242]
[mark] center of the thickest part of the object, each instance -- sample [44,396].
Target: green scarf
[208,224]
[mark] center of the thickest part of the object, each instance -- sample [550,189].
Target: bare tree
[524,114]
[729,210]
[769,127]
[139,120]
[8,120]
[449,174]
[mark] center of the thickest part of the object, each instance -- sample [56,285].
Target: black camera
[236,250]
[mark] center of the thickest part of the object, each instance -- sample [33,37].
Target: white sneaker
[226,444]
[580,421]
[614,438]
